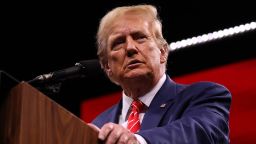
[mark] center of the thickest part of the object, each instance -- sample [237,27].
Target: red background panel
[239,78]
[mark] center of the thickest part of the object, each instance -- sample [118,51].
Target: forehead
[129,23]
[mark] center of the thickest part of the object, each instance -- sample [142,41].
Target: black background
[40,37]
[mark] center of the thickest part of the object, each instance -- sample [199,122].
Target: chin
[135,74]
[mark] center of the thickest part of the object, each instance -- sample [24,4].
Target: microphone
[85,68]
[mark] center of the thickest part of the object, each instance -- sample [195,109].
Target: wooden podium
[27,116]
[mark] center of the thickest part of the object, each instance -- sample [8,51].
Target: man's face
[132,50]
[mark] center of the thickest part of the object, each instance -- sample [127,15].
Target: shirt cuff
[140,139]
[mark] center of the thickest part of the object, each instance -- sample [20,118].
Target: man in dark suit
[153,108]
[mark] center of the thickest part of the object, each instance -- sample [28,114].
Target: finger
[133,141]
[115,134]
[127,138]
[123,139]
[105,130]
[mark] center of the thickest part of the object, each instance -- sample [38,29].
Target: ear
[164,53]
[107,69]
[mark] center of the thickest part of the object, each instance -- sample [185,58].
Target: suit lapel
[159,105]
[115,113]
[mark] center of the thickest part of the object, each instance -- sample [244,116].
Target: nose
[131,48]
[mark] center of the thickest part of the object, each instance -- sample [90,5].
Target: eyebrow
[119,34]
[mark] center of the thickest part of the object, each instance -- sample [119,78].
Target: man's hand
[112,133]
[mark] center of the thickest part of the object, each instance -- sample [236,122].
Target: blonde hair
[105,24]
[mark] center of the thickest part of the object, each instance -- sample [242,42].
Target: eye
[117,42]
[140,37]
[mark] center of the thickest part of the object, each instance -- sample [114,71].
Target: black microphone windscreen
[91,67]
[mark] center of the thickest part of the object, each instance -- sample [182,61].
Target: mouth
[133,64]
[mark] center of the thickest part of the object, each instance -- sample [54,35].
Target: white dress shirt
[146,99]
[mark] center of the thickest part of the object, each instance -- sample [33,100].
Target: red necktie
[133,120]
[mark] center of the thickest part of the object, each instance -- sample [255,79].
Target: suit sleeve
[203,117]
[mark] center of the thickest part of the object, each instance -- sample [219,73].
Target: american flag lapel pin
[162,105]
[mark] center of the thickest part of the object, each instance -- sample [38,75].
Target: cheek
[116,56]
[116,59]
[152,54]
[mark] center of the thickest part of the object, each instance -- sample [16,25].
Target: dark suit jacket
[179,114]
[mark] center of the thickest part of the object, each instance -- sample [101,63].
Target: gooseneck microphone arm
[81,69]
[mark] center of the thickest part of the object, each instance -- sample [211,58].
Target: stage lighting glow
[213,36]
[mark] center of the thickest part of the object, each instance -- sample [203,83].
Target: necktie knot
[137,106]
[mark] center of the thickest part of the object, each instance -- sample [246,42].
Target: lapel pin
[162,105]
